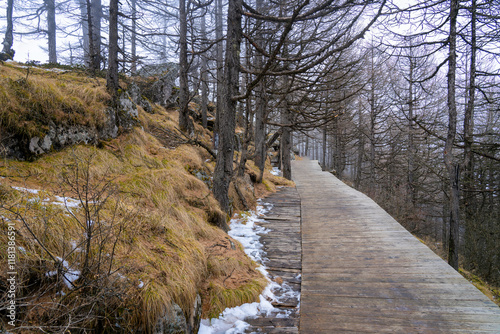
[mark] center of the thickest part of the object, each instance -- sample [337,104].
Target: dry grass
[166,243]
[33,98]
[491,292]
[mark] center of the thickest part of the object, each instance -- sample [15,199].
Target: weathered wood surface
[282,245]
[362,272]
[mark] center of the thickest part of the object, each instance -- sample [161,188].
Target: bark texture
[112,83]
[452,168]
[224,166]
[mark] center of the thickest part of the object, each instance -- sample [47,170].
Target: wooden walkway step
[282,245]
[362,272]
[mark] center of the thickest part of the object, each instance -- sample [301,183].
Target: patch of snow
[31,191]
[246,231]
[276,171]
[74,246]
[141,284]
[67,202]
[70,275]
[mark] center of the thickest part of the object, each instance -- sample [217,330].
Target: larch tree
[50,6]
[112,82]
[8,41]
[184,120]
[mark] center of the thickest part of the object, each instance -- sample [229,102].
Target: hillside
[118,234]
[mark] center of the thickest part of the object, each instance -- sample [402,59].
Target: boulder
[162,90]
[136,95]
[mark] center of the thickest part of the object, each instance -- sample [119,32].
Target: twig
[224,281]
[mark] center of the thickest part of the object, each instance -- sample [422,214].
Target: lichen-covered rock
[127,112]
[110,128]
[173,322]
[163,90]
[136,95]
[195,318]
[61,136]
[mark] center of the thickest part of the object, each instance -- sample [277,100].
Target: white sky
[26,47]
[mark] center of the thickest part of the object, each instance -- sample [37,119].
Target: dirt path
[362,272]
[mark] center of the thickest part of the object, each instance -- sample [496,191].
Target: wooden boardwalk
[362,272]
[283,262]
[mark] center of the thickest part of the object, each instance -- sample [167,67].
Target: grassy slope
[153,221]
[32,98]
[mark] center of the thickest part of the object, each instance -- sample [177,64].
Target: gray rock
[163,91]
[127,112]
[34,147]
[195,318]
[150,70]
[127,105]
[47,143]
[136,95]
[146,105]
[172,322]
[110,128]
[135,92]
[61,136]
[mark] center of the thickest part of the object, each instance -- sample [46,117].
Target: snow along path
[277,300]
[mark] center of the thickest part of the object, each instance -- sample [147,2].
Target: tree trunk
[204,76]
[112,83]
[133,41]
[94,13]
[51,30]
[8,40]
[306,148]
[220,68]
[286,143]
[452,168]
[324,167]
[411,143]
[85,30]
[184,120]
[260,112]
[361,149]
[224,165]
[373,115]
[247,136]
[95,34]
[470,232]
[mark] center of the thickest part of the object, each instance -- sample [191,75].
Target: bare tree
[8,40]
[184,120]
